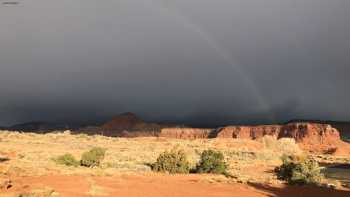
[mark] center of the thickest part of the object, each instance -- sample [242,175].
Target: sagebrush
[174,161]
[212,161]
[299,170]
[93,157]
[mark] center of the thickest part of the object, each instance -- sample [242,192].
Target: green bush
[67,159]
[93,157]
[299,170]
[212,161]
[172,162]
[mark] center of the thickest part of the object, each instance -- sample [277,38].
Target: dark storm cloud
[199,61]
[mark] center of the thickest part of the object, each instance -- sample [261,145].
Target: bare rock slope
[248,132]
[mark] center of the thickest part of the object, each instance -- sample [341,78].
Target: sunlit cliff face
[197,61]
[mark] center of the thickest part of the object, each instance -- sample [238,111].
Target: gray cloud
[199,61]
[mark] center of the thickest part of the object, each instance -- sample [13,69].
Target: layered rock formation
[311,136]
[310,133]
[315,137]
[185,133]
[248,132]
[301,132]
[342,126]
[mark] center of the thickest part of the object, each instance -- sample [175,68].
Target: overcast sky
[191,61]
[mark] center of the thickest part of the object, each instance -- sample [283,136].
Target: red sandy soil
[156,185]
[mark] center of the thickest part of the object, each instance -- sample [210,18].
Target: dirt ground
[157,185]
[27,160]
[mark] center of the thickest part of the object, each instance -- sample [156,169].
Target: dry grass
[33,153]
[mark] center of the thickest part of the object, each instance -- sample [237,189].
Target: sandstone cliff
[185,133]
[310,136]
[248,132]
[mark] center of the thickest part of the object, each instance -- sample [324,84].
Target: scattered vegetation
[299,170]
[93,157]
[284,145]
[212,161]
[67,159]
[172,162]
[175,161]
[247,159]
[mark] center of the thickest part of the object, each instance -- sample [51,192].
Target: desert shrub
[299,170]
[212,161]
[93,157]
[174,161]
[67,159]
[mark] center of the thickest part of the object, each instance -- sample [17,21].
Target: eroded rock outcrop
[185,133]
[310,136]
[248,132]
[310,133]
[342,126]
[315,137]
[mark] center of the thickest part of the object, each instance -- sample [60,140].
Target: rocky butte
[311,136]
